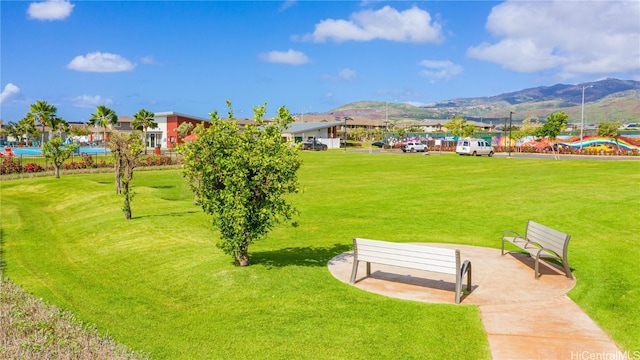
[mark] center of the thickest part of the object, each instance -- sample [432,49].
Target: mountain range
[604,101]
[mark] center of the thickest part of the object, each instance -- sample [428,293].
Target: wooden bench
[541,242]
[446,261]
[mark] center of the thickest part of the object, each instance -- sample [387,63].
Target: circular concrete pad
[496,279]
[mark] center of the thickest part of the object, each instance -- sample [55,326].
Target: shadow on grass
[178,214]
[298,256]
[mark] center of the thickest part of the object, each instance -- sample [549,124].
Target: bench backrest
[549,238]
[408,255]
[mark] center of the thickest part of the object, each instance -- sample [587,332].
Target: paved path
[524,318]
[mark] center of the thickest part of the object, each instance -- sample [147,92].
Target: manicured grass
[158,284]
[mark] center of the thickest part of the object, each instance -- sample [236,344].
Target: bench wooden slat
[440,260]
[390,245]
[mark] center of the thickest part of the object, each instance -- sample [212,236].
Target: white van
[475,147]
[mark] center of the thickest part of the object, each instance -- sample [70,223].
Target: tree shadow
[298,256]
[182,213]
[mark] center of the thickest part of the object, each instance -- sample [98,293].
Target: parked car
[314,145]
[475,147]
[413,146]
[378,144]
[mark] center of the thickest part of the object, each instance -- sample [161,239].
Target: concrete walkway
[524,318]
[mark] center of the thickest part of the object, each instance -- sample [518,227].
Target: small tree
[126,149]
[57,153]
[192,170]
[529,127]
[459,127]
[610,129]
[243,175]
[79,130]
[552,128]
[143,120]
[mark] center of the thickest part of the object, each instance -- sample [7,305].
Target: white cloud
[574,37]
[439,69]
[50,10]
[412,25]
[100,62]
[89,101]
[149,60]
[287,4]
[290,57]
[8,91]
[345,74]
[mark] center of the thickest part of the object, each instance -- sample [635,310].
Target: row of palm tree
[44,114]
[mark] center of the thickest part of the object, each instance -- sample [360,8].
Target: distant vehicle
[475,147]
[378,144]
[314,145]
[413,146]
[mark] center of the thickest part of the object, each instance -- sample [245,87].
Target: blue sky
[311,56]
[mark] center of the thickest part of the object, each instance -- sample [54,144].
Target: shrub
[32,168]
[10,166]
[156,161]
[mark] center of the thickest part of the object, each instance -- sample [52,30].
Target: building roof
[170,113]
[296,128]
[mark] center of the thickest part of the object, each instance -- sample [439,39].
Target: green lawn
[158,284]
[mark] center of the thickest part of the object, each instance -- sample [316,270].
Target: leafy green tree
[459,127]
[243,177]
[103,118]
[192,170]
[610,129]
[529,126]
[79,130]
[184,129]
[126,149]
[555,123]
[468,130]
[57,153]
[143,120]
[42,112]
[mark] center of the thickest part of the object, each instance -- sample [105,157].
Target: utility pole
[510,126]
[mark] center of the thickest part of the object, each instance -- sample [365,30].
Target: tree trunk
[127,200]
[57,172]
[243,258]
[118,182]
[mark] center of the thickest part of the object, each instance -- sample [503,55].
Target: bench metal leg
[355,270]
[567,270]
[466,268]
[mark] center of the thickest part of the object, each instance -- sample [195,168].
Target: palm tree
[143,120]
[57,124]
[42,111]
[103,118]
[26,127]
